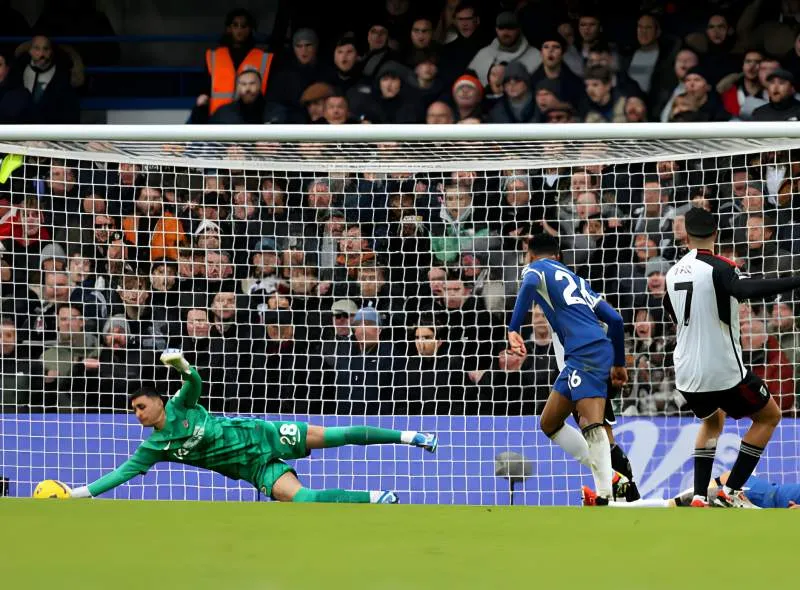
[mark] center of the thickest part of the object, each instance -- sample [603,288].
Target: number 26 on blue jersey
[570,298]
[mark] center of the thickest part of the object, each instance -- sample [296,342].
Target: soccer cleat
[426,440]
[590,498]
[387,498]
[699,502]
[173,357]
[731,499]
[623,488]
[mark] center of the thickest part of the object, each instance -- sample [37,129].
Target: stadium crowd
[362,293]
[374,293]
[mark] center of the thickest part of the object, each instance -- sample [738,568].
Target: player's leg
[319,437]
[619,459]
[553,424]
[750,398]
[285,487]
[705,450]
[591,410]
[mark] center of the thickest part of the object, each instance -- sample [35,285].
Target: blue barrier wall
[79,448]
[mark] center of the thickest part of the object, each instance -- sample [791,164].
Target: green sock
[338,496]
[362,435]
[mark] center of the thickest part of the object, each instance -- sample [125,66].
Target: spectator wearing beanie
[302,70]
[553,68]
[517,104]
[508,45]
[467,96]
[782,106]
[378,50]
[706,100]
[392,99]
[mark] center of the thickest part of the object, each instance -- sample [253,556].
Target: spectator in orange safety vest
[236,53]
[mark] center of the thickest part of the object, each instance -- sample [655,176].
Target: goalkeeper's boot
[590,498]
[426,440]
[386,498]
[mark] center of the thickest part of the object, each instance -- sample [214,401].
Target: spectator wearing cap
[263,277]
[650,64]
[547,96]
[603,104]
[704,98]
[16,104]
[300,72]
[736,88]
[656,286]
[235,54]
[763,354]
[518,104]
[751,103]
[783,105]
[467,96]
[458,52]
[336,336]
[553,68]
[52,258]
[365,375]
[346,69]
[313,100]
[509,45]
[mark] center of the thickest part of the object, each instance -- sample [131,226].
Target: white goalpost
[255,249]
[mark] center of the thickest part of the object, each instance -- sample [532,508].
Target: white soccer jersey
[708,355]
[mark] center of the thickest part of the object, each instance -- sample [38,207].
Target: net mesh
[255,259]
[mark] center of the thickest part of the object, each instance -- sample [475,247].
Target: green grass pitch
[115,545]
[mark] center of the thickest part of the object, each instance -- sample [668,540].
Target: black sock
[745,463]
[620,462]
[703,462]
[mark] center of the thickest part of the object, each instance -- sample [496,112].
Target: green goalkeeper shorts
[287,440]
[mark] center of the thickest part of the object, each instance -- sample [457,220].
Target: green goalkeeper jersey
[234,447]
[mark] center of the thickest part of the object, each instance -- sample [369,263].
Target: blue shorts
[764,494]
[583,378]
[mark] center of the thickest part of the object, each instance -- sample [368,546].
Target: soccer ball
[51,488]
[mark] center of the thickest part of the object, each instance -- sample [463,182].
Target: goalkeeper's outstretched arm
[150,412]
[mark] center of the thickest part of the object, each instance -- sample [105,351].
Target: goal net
[366,276]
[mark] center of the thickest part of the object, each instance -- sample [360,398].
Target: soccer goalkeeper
[240,448]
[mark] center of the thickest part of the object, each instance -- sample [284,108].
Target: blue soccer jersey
[764,494]
[575,313]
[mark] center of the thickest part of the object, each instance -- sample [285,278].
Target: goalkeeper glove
[173,357]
